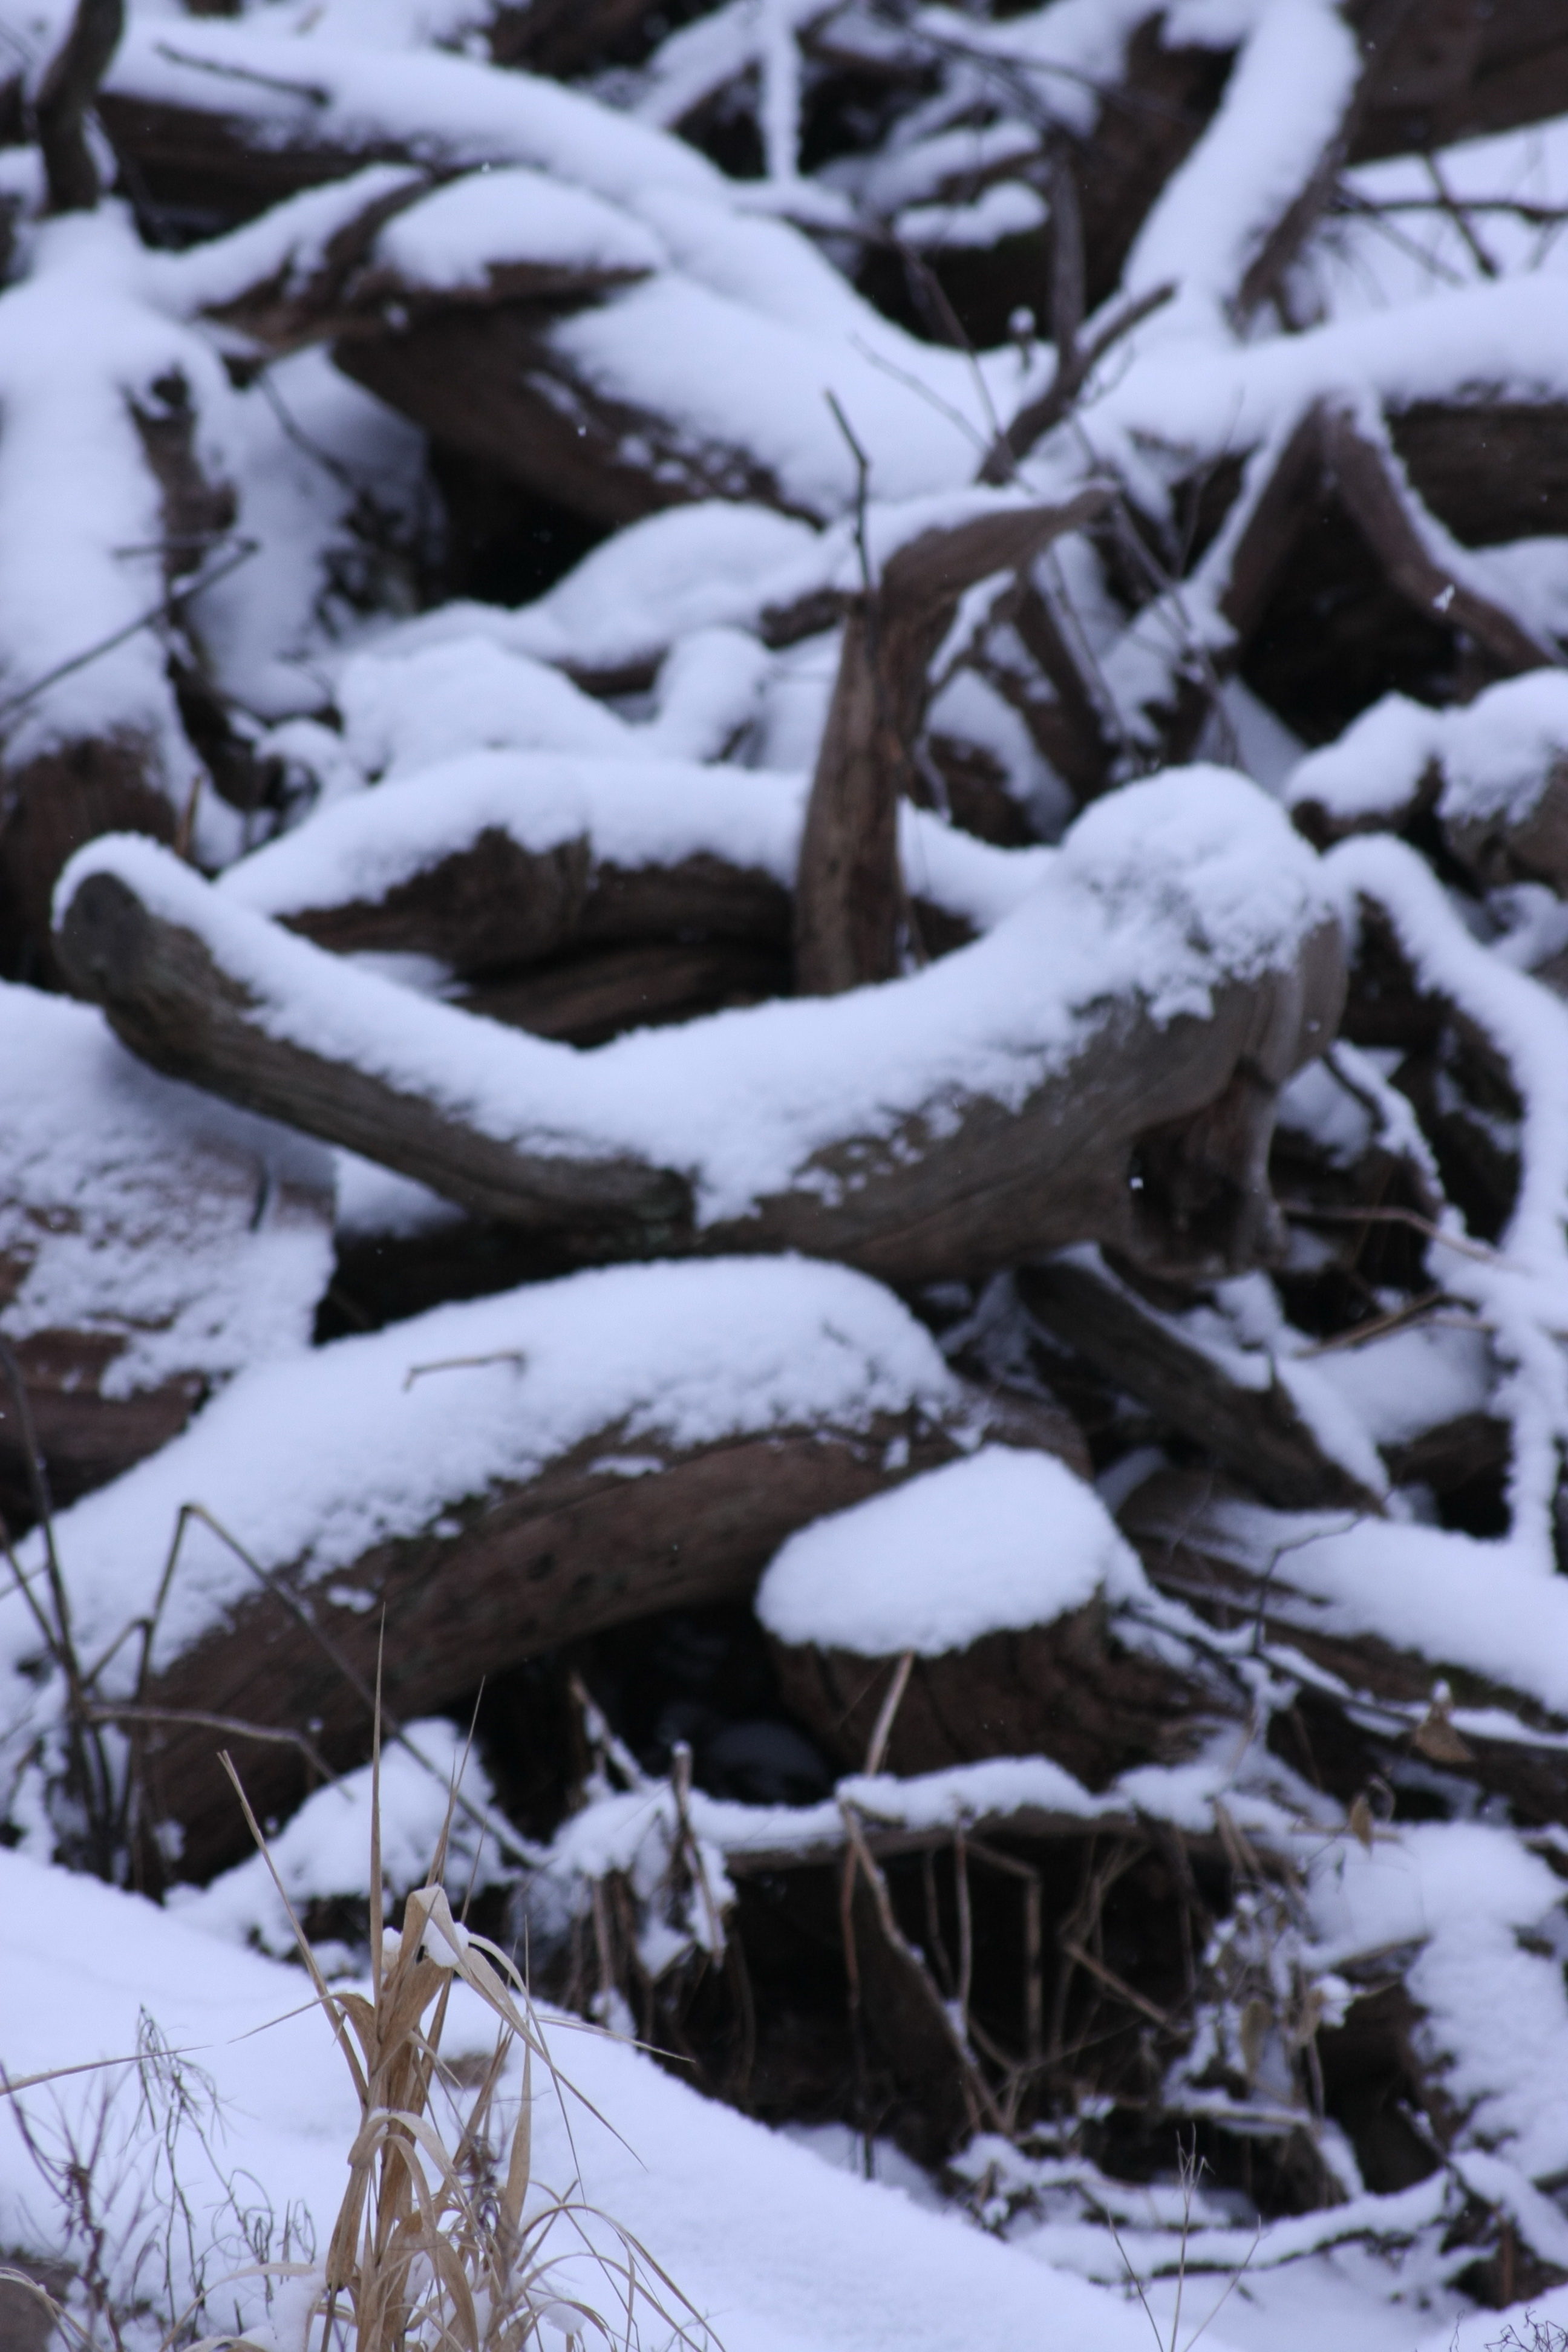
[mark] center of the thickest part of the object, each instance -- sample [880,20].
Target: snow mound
[994,1544]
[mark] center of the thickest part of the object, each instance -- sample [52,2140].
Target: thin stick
[1394,1320]
[882,1731]
[166,604]
[107,1711]
[1309,1214]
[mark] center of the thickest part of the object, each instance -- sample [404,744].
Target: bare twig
[166,605]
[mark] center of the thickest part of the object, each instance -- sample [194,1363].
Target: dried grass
[445,2241]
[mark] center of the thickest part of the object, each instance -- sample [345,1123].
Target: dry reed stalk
[433,2249]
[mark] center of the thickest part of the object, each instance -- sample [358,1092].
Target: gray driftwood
[1153,1138]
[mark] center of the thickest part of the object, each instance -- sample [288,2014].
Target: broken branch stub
[850,908]
[1070,1690]
[929,1628]
[1008,1100]
[69,88]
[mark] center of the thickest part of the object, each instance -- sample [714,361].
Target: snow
[994,1544]
[1494,756]
[409,713]
[80,511]
[1496,2010]
[454,239]
[324,1851]
[694,567]
[192,1238]
[1280,112]
[644,709]
[841,2264]
[1522,1293]
[1453,1599]
[733,342]
[1159,894]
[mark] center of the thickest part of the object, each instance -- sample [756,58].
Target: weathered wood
[497,913]
[1071,1691]
[65,95]
[493,383]
[152,1241]
[494,903]
[1152,1137]
[60,794]
[561,37]
[850,911]
[49,808]
[339,290]
[173,1003]
[1489,471]
[586,1000]
[1258,1433]
[84,1438]
[587,1544]
[1381,511]
[1460,68]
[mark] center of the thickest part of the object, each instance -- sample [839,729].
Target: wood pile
[798,699]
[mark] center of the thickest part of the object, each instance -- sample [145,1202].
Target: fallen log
[1240,1407]
[1053,1082]
[988,1609]
[506,859]
[1476,67]
[588,999]
[524,314]
[390,244]
[70,84]
[569,1457]
[152,1241]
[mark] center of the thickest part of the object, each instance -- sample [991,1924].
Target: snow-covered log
[505,859]
[1023,1616]
[1446,1654]
[1493,772]
[153,1243]
[1243,1411]
[1103,1065]
[499,1479]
